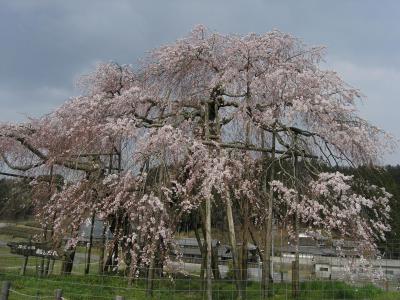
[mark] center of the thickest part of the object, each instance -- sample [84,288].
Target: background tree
[15,199]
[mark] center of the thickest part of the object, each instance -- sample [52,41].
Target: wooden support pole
[208,217]
[295,275]
[296,265]
[104,230]
[119,298]
[5,291]
[203,267]
[89,253]
[243,265]
[268,225]
[24,264]
[232,240]
[58,294]
[44,269]
[209,253]
[102,248]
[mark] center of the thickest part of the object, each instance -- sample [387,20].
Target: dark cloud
[45,45]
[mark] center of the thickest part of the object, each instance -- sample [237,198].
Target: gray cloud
[46,44]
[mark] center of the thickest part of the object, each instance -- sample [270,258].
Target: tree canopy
[211,118]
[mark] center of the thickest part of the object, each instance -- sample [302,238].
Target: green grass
[181,288]
[31,223]
[18,232]
[93,286]
[77,286]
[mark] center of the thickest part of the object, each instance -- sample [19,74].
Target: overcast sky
[46,45]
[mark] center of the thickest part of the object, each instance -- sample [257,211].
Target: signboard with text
[33,249]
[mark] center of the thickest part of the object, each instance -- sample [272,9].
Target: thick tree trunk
[112,254]
[150,277]
[102,248]
[112,257]
[47,266]
[50,262]
[89,252]
[107,263]
[254,240]
[214,262]
[203,271]
[51,267]
[102,263]
[203,252]
[152,265]
[68,262]
[114,260]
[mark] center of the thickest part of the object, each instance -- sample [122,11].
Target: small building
[346,248]
[98,227]
[323,270]
[190,250]
[252,252]
[307,251]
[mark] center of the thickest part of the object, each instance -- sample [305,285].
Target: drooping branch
[254,148]
[16,175]
[75,165]
[19,168]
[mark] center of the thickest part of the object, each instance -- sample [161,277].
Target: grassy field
[107,287]
[18,232]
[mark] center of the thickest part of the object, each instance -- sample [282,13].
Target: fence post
[59,294]
[23,268]
[119,298]
[5,291]
[295,282]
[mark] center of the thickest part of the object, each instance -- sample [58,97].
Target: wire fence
[312,290]
[320,278]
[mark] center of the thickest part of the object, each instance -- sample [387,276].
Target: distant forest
[15,199]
